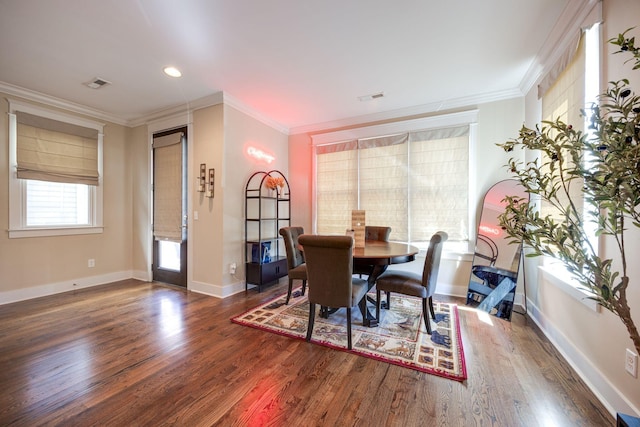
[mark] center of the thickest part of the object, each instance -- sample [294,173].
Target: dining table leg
[368,319]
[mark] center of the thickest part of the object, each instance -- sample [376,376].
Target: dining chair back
[374,232]
[409,283]
[329,261]
[296,267]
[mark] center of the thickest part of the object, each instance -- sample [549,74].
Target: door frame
[173,277]
[174,122]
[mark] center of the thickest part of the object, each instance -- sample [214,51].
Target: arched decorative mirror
[494,270]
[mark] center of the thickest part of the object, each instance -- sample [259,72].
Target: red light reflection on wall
[489,230]
[259,155]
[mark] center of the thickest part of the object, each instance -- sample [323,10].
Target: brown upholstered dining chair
[413,284]
[329,262]
[374,232]
[296,268]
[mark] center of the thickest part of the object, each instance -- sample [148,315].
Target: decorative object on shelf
[212,178]
[357,225]
[202,178]
[266,212]
[276,184]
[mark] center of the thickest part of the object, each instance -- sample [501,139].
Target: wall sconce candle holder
[212,178]
[202,179]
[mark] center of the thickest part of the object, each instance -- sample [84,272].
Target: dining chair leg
[349,328]
[433,313]
[425,315]
[304,286]
[289,292]
[388,306]
[312,317]
[378,296]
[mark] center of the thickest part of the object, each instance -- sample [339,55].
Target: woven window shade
[415,183]
[336,187]
[439,185]
[50,150]
[384,183]
[167,190]
[564,100]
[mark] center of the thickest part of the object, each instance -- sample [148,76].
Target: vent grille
[371,96]
[97,83]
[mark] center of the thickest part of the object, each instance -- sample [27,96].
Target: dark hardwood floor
[144,354]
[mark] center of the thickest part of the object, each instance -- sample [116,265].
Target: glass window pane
[56,204]
[169,255]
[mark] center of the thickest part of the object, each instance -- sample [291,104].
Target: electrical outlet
[91,263]
[631,363]
[232,268]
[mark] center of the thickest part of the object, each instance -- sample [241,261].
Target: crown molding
[244,108]
[51,101]
[206,101]
[557,41]
[418,110]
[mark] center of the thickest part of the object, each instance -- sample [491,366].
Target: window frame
[17,187]
[466,118]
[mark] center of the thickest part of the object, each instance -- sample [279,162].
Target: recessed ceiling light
[172,71]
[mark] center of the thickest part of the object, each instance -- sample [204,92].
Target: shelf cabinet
[267,209]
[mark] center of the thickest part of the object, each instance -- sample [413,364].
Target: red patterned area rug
[400,338]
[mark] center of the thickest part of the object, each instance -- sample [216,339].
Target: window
[574,89]
[416,182]
[572,92]
[54,173]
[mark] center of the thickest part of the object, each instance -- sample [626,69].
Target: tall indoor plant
[604,164]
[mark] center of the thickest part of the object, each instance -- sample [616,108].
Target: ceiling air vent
[97,83]
[372,96]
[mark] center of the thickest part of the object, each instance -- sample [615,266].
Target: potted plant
[604,165]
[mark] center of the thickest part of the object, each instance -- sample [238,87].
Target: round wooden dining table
[372,260]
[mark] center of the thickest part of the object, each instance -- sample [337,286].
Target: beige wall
[241,130]
[42,265]
[139,144]
[220,134]
[205,233]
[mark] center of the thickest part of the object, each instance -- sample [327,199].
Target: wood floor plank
[146,354]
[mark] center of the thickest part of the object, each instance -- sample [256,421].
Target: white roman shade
[50,150]
[167,208]
[414,182]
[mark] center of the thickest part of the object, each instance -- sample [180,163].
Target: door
[170,207]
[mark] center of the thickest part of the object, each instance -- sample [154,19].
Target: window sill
[569,285]
[44,232]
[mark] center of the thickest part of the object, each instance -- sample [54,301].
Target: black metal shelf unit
[266,210]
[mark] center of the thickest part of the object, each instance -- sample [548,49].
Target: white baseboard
[597,382]
[142,275]
[16,295]
[452,290]
[216,290]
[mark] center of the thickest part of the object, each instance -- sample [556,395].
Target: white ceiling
[297,63]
